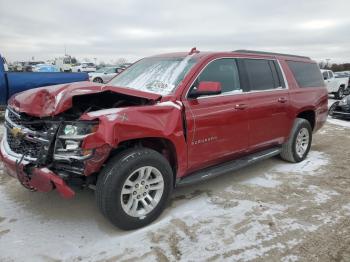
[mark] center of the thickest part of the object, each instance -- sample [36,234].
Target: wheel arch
[162,145]
[309,115]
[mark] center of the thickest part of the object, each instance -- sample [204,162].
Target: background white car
[64,64]
[84,67]
[103,75]
[335,85]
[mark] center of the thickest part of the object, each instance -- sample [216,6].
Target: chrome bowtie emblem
[16,132]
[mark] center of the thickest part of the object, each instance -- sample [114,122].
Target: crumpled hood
[53,100]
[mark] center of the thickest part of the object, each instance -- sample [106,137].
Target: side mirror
[206,88]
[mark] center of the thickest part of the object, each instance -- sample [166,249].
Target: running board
[226,167]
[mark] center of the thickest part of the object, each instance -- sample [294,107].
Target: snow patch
[313,163]
[105,112]
[161,76]
[112,117]
[169,103]
[339,122]
[263,181]
[320,195]
[290,258]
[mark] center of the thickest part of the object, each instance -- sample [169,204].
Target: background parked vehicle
[45,68]
[341,109]
[342,74]
[30,66]
[6,66]
[338,86]
[84,67]
[103,75]
[16,66]
[14,82]
[64,64]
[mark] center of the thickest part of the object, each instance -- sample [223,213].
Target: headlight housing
[70,137]
[343,102]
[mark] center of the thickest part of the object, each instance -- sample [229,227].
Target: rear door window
[306,74]
[262,74]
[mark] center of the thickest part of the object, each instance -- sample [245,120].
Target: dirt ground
[271,211]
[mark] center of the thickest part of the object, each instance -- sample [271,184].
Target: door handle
[241,106]
[282,99]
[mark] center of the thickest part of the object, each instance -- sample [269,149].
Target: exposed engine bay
[92,102]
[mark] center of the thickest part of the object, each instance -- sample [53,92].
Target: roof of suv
[251,53]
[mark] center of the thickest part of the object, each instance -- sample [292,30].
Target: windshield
[159,75]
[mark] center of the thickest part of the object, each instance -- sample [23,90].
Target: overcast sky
[132,29]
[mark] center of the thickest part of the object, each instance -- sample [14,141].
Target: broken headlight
[343,102]
[69,139]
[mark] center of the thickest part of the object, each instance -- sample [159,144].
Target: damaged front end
[66,145]
[340,109]
[44,154]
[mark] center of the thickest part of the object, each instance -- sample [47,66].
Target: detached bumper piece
[44,180]
[33,178]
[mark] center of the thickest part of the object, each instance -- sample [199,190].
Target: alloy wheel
[142,191]
[302,142]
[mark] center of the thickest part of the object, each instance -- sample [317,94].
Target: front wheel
[340,94]
[332,108]
[97,80]
[134,188]
[298,145]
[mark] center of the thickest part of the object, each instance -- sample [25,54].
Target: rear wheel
[97,80]
[298,145]
[134,188]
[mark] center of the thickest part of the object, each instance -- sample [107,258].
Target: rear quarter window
[306,74]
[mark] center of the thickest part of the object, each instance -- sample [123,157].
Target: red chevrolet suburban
[166,121]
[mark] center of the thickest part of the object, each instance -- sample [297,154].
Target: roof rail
[269,53]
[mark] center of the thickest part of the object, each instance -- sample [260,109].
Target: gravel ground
[271,211]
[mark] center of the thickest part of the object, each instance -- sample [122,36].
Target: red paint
[41,179]
[219,128]
[209,87]
[52,100]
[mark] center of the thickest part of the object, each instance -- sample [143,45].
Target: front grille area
[13,117]
[23,147]
[25,138]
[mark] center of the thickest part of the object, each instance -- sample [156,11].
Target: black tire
[289,151]
[332,108]
[97,80]
[340,94]
[111,181]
